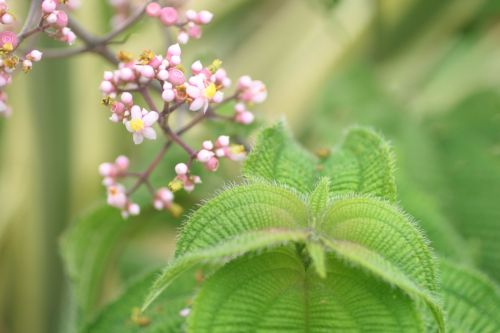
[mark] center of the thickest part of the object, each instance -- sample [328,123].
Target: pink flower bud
[208,145]
[107,87]
[35,55]
[134,209]
[191,15]
[204,17]
[194,31]
[108,75]
[48,6]
[105,169]
[127,98]
[176,77]
[8,37]
[222,141]
[118,107]
[196,67]
[147,71]
[62,19]
[181,169]
[244,82]
[153,9]
[168,95]
[122,163]
[174,50]
[7,18]
[204,155]
[244,118]
[52,18]
[155,62]
[212,164]
[168,16]
[126,74]
[183,37]
[240,107]
[162,75]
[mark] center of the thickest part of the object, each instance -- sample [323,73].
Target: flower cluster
[55,21]
[202,89]
[117,196]
[10,62]
[210,153]
[189,23]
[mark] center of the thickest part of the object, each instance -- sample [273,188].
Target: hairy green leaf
[380,238]
[364,163]
[275,292]
[471,300]
[244,208]
[278,157]
[118,317]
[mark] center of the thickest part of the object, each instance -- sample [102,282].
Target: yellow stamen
[136,125]
[237,149]
[7,47]
[175,185]
[215,65]
[210,91]
[124,56]
[146,56]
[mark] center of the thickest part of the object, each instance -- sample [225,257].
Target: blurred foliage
[424,73]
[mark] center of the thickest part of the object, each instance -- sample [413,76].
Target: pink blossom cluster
[5,16]
[202,88]
[211,152]
[117,196]
[55,21]
[189,23]
[10,63]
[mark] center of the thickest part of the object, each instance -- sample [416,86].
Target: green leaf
[275,292]
[277,157]
[378,237]
[87,248]
[318,199]
[165,317]
[364,163]
[471,300]
[220,254]
[255,206]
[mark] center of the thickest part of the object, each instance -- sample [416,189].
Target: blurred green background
[425,73]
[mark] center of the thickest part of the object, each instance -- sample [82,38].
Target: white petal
[127,125]
[150,118]
[197,104]
[149,133]
[138,138]
[136,112]
[193,91]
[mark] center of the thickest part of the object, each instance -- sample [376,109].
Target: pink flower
[251,91]
[8,40]
[141,123]
[163,199]
[112,171]
[202,91]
